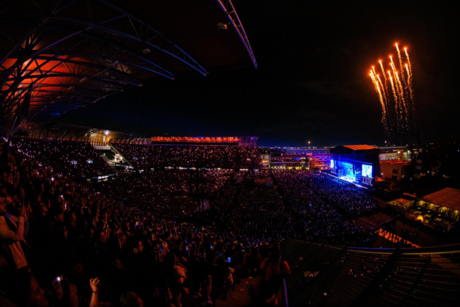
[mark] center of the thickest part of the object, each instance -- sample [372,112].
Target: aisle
[240,297]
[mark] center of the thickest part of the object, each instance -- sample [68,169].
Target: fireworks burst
[398,108]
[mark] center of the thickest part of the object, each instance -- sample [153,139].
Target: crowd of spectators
[328,225]
[343,195]
[78,244]
[256,213]
[167,191]
[313,211]
[71,159]
[210,156]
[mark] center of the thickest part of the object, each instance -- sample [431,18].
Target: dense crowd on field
[168,192]
[315,211]
[143,238]
[346,196]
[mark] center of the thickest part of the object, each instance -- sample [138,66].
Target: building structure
[395,170]
[395,162]
[440,160]
[445,202]
[392,153]
[298,158]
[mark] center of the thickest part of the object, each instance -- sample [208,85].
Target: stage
[357,164]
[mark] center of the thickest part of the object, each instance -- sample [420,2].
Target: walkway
[240,297]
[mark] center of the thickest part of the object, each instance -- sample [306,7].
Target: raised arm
[94,283]
[7,234]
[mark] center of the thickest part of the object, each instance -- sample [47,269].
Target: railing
[434,250]
[286,302]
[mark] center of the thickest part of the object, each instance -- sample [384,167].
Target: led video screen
[367,170]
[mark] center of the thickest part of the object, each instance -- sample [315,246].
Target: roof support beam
[156,68]
[229,9]
[95,56]
[166,46]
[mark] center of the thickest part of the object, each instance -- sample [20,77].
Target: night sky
[312,82]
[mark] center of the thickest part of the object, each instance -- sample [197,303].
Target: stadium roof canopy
[66,54]
[448,197]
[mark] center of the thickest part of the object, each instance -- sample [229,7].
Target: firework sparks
[381,98]
[409,69]
[397,108]
[402,107]
[401,67]
[408,73]
[403,85]
[408,61]
[385,90]
[399,92]
[395,95]
[383,73]
[385,99]
[381,86]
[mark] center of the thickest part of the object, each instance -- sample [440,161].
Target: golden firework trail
[399,89]
[377,87]
[404,85]
[385,88]
[401,67]
[395,95]
[401,93]
[408,73]
[382,101]
[393,69]
[409,69]
[396,86]
[385,106]
[383,91]
[408,61]
[391,61]
[384,76]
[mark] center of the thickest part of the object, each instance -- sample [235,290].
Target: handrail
[429,250]
[286,302]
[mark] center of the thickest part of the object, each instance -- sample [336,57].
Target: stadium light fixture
[221,26]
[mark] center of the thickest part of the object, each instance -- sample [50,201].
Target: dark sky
[312,82]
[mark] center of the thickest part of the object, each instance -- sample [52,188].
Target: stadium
[99,217]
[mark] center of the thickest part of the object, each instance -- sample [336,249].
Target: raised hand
[94,283]
[22,210]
